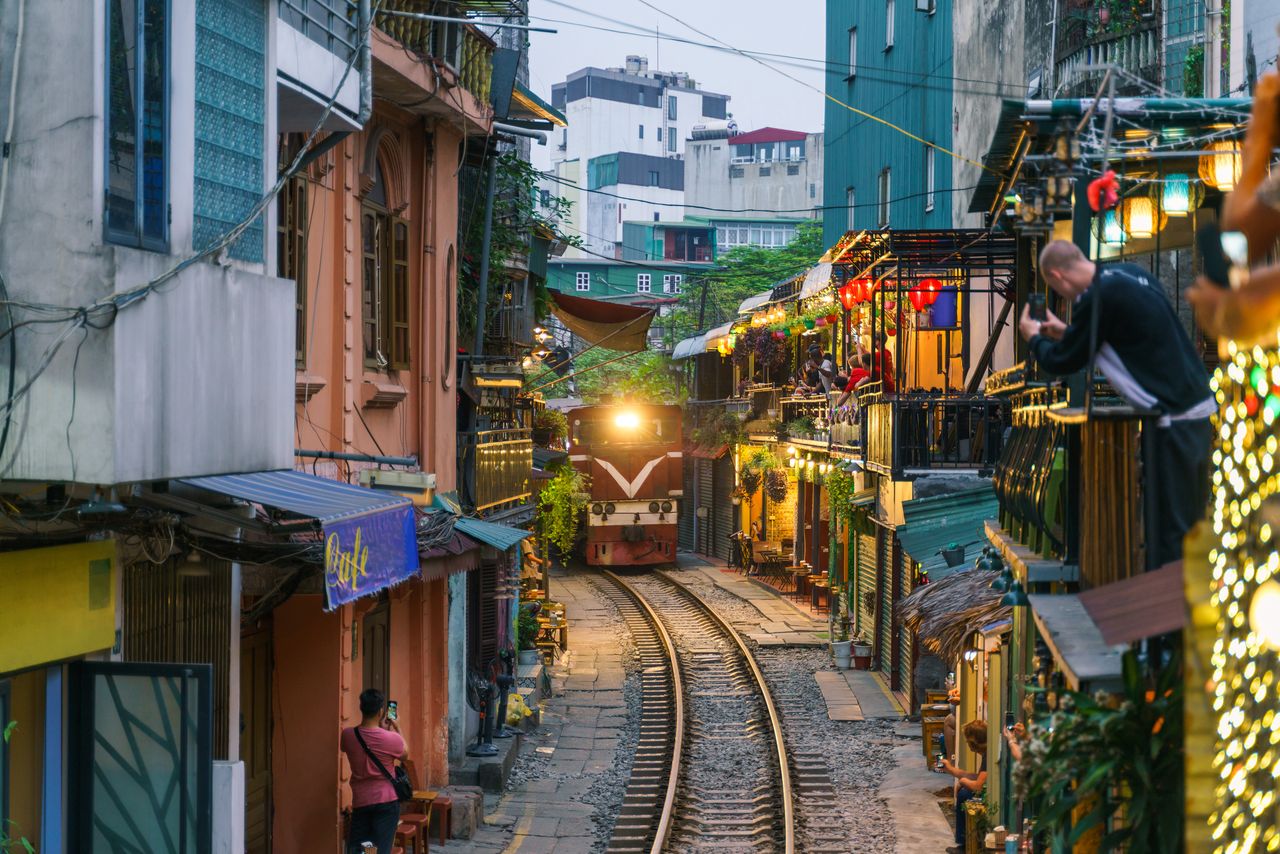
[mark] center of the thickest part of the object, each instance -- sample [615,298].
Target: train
[632,456]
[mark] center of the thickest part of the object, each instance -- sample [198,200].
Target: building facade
[760,174]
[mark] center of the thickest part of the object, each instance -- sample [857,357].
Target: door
[376,641]
[255,738]
[141,758]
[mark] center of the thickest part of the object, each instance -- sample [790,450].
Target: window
[137,131]
[653,177]
[883,201]
[929,6]
[671,283]
[813,190]
[642,131]
[888,24]
[291,254]
[384,308]
[736,172]
[671,108]
[793,170]
[853,52]
[583,281]
[766,171]
[644,283]
[850,207]
[671,139]
[659,134]
[928,178]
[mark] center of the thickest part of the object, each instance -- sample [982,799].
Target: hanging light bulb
[540,352]
[1264,613]
[1221,169]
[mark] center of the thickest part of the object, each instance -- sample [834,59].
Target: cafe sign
[367,553]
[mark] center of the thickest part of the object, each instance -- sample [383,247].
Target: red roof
[768,135]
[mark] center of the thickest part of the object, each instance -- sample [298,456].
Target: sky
[759,96]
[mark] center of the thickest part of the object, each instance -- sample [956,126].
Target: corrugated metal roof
[816,280]
[750,304]
[302,494]
[691,346]
[768,134]
[1000,156]
[931,524]
[501,537]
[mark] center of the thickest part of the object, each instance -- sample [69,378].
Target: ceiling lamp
[1179,194]
[930,288]
[1141,217]
[1112,233]
[1221,169]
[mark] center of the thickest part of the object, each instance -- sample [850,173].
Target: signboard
[365,554]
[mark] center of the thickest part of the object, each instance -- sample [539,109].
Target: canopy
[713,336]
[945,613]
[691,346]
[931,524]
[370,536]
[501,537]
[816,280]
[612,325]
[750,304]
[1142,606]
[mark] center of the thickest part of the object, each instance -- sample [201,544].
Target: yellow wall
[59,603]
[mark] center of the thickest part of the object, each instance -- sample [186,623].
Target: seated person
[968,783]
[799,386]
[858,376]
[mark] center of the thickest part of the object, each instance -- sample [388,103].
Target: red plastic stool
[442,809]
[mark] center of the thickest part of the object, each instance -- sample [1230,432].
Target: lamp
[1264,613]
[1016,597]
[1180,194]
[1221,169]
[847,296]
[930,288]
[1111,232]
[1141,217]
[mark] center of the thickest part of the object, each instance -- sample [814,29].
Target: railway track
[711,771]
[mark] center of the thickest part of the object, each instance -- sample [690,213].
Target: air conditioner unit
[420,486]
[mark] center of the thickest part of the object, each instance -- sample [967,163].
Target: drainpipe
[482,302]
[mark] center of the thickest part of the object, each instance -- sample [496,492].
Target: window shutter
[369,282]
[398,299]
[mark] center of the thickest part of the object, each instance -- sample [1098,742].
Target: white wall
[708,181]
[605,214]
[598,126]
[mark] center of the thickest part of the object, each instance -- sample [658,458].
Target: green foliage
[840,491]
[800,427]
[8,842]
[1193,72]
[646,377]
[560,506]
[721,428]
[1106,754]
[775,484]
[553,421]
[754,466]
[526,629]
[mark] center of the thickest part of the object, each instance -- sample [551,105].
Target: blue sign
[362,555]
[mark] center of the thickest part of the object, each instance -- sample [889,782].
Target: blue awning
[931,524]
[370,538]
[501,537]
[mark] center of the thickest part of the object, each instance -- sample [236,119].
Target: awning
[692,346]
[530,103]
[1143,606]
[709,452]
[931,524]
[713,336]
[946,613]
[750,304]
[501,537]
[612,325]
[545,457]
[370,537]
[1087,661]
[816,280]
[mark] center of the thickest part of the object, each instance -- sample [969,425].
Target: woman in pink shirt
[375,810]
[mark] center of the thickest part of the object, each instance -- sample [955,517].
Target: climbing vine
[560,506]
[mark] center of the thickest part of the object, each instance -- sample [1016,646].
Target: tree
[646,377]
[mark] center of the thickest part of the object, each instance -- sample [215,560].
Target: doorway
[256,662]
[376,641]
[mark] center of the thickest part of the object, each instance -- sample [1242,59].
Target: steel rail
[775,720]
[667,814]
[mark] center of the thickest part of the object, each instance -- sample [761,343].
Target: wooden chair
[933,717]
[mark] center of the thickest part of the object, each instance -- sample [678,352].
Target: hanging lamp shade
[930,288]
[1221,169]
[1110,231]
[848,295]
[1141,217]
[917,298]
[1179,194]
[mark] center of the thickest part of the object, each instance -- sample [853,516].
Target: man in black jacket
[1145,353]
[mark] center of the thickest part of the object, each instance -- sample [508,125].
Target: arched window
[384,299]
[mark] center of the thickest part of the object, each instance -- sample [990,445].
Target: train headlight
[610,509]
[653,507]
[626,420]
[597,508]
[666,507]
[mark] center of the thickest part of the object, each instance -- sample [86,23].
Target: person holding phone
[1146,354]
[375,809]
[968,783]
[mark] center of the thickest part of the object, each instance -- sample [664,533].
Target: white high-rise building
[613,161]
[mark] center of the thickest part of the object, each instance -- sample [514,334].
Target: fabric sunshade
[501,537]
[750,304]
[816,280]
[370,536]
[611,325]
[692,346]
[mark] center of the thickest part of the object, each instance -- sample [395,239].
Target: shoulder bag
[399,780]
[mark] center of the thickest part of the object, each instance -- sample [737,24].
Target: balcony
[314,41]
[911,434]
[461,48]
[805,420]
[504,462]
[1133,45]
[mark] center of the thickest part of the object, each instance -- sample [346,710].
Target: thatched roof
[945,613]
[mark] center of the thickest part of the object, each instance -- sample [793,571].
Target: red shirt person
[375,809]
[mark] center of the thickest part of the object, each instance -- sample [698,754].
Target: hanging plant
[769,351]
[560,506]
[775,484]
[750,481]
[840,491]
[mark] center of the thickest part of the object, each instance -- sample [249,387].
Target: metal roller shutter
[706,487]
[884,594]
[906,640]
[722,510]
[865,584]
[684,523]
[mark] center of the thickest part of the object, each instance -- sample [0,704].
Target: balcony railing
[916,433]
[461,47]
[504,463]
[329,23]
[1137,51]
[812,410]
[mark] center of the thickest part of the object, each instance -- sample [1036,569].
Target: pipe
[514,130]
[482,301]
[365,23]
[357,458]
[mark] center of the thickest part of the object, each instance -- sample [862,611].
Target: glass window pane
[122,154]
[154,58]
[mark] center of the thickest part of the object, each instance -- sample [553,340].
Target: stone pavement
[543,810]
[912,791]
[782,622]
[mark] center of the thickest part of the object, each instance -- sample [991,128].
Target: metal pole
[483,297]
[357,458]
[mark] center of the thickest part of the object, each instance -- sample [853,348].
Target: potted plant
[549,425]
[775,484]
[862,651]
[527,635]
[800,428]
[840,647]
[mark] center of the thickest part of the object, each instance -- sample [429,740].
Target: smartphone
[1210,241]
[391,710]
[1008,720]
[1037,305]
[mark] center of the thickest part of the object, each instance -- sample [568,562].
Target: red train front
[632,457]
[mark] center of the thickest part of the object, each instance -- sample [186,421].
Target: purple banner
[365,554]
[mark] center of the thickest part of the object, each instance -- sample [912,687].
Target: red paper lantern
[917,298]
[868,288]
[848,296]
[931,289]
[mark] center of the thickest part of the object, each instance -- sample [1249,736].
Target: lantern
[930,288]
[1142,218]
[1112,232]
[1222,168]
[1179,194]
[847,296]
[867,287]
[917,298]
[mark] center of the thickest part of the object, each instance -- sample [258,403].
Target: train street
[857,776]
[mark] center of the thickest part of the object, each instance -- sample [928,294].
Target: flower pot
[529,656]
[862,656]
[840,649]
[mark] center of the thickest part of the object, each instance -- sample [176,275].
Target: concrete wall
[709,181]
[599,126]
[463,723]
[606,214]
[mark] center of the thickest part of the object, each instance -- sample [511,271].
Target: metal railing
[1137,51]
[504,464]
[915,433]
[329,23]
[461,47]
[812,410]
